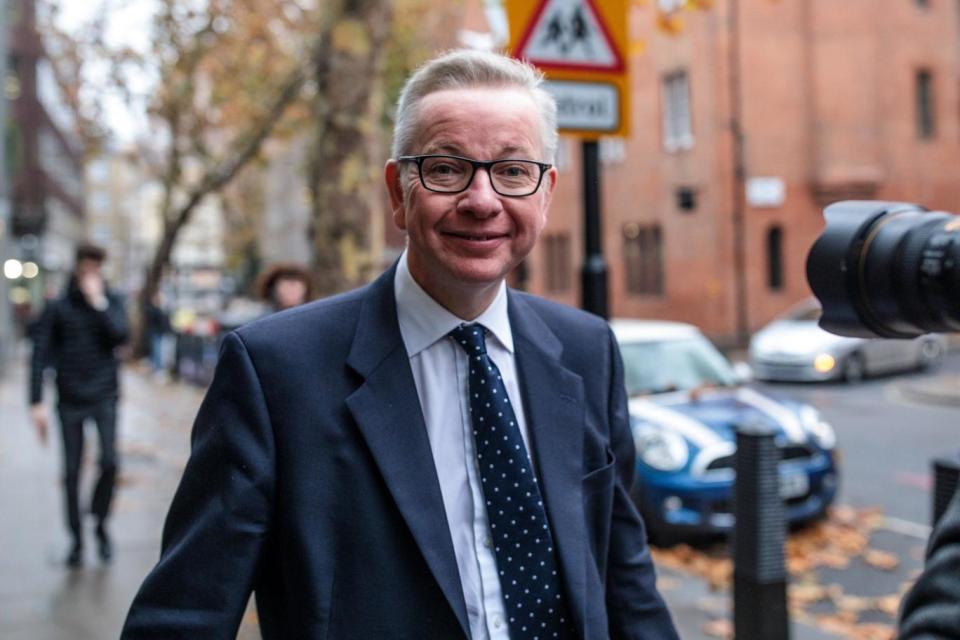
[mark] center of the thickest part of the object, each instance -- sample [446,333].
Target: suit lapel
[553,403]
[387,410]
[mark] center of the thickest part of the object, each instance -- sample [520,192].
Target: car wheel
[931,355]
[853,368]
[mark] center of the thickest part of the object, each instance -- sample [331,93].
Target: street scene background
[849,572]
[204,142]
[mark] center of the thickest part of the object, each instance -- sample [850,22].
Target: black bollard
[946,481]
[759,535]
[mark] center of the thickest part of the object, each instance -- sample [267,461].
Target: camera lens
[887,269]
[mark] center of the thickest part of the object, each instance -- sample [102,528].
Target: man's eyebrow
[509,151]
[443,147]
[512,149]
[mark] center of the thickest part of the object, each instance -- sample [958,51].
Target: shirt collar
[423,320]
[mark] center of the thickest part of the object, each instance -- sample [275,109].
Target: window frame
[677,115]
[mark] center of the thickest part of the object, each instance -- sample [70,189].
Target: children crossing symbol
[569,34]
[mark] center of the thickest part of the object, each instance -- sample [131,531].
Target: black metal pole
[946,482]
[739,178]
[594,273]
[759,535]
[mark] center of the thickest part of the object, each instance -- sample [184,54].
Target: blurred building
[44,164]
[196,278]
[833,100]
[122,215]
[7,329]
[285,222]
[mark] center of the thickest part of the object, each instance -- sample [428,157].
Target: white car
[793,348]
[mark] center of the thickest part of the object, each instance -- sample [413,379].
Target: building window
[643,257]
[775,258]
[556,251]
[926,119]
[677,128]
[686,199]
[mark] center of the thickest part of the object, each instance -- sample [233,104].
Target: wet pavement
[42,600]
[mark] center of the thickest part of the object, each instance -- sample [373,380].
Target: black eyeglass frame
[474,165]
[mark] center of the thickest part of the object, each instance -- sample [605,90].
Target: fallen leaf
[805,594]
[720,628]
[889,604]
[833,624]
[881,559]
[872,631]
[853,604]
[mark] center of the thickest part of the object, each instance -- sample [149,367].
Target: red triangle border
[619,67]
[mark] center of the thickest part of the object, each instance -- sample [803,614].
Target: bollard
[946,480]
[759,535]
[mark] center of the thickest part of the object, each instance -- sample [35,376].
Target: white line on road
[906,527]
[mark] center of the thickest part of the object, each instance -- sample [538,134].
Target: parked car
[793,348]
[685,402]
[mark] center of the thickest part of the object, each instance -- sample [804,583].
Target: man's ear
[549,186]
[391,174]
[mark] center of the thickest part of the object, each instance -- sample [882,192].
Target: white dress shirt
[440,372]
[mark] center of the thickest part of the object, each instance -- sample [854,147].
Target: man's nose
[480,199]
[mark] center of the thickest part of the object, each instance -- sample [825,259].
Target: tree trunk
[344,172]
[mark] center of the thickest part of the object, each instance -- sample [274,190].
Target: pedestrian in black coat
[76,337]
[931,610]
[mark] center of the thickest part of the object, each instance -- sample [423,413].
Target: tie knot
[471,338]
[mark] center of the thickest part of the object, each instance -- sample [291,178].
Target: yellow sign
[581,46]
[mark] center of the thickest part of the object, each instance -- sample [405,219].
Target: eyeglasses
[453,174]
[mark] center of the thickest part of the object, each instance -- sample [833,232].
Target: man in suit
[433,455]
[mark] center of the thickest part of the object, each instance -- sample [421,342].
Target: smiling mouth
[477,237]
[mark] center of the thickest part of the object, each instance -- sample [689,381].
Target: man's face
[88,268]
[464,244]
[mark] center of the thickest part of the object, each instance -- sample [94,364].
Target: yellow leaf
[881,559]
[872,631]
[853,604]
[889,604]
[808,593]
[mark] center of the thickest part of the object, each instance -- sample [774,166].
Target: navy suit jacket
[311,483]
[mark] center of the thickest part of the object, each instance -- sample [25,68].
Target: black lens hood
[835,266]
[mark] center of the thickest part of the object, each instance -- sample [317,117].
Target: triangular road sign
[569,34]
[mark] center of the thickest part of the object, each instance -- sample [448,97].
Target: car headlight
[824,363]
[819,428]
[661,449]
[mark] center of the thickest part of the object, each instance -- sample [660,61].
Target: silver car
[794,348]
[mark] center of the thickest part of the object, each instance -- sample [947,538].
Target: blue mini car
[685,402]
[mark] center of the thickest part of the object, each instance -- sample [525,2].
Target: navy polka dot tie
[523,545]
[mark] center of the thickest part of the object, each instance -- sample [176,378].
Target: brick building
[43,158]
[835,100]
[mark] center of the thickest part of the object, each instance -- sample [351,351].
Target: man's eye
[515,170]
[442,169]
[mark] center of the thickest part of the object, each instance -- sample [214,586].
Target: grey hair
[467,69]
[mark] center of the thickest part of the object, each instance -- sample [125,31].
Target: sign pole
[582,48]
[594,271]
